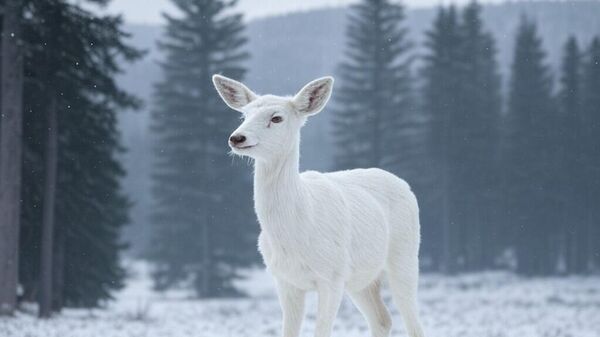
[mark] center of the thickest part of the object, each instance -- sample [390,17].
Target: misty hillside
[288,51]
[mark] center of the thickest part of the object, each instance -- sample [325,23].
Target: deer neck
[278,192]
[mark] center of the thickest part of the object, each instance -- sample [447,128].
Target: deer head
[271,124]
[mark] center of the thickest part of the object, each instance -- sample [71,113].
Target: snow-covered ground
[478,305]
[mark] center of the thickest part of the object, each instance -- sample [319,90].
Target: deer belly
[368,253]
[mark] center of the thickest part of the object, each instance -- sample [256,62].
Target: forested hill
[287,51]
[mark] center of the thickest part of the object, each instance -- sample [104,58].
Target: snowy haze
[149,12]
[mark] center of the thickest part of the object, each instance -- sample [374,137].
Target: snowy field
[478,305]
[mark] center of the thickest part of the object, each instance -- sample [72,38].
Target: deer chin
[243,150]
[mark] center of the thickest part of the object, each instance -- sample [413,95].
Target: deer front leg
[291,300]
[330,298]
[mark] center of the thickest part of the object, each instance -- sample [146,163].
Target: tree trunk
[11,130]
[448,229]
[58,269]
[47,250]
[206,270]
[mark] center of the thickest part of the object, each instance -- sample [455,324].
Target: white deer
[327,232]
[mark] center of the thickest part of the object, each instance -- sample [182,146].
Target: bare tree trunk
[448,232]
[47,250]
[11,130]
[58,269]
[205,256]
[591,233]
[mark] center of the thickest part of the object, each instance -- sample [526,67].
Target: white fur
[329,232]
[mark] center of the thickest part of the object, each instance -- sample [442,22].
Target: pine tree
[202,206]
[531,117]
[461,96]
[376,122]
[49,73]
[71,66]
[477,134]
[373,101]
[591,150]
[569,163]
[11,130]
[442,103]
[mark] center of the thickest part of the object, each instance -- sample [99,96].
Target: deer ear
[313,97]
[234,93]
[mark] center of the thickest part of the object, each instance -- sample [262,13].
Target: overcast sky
[148,11]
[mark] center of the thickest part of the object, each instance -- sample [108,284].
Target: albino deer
[327,232]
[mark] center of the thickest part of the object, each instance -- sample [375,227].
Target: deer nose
[237,139]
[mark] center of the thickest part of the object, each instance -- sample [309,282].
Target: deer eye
[276,119]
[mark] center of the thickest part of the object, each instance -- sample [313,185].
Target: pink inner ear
[231,92]
[314,95]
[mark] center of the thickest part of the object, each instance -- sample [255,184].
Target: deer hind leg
[370,304]
[403,275]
